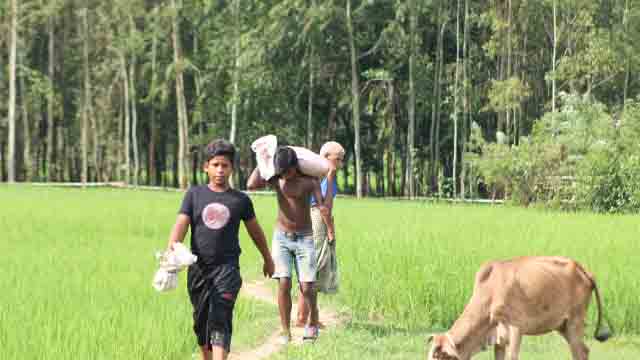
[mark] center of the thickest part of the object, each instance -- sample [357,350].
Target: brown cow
[522,296]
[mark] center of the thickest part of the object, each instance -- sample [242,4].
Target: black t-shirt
[215,220]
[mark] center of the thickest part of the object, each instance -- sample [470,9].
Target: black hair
[219,147]
[284,159]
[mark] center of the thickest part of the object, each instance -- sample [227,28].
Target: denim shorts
[291,250]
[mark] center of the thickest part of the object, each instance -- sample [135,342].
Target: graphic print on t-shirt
[215,216]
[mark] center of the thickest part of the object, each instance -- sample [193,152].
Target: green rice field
[77,268]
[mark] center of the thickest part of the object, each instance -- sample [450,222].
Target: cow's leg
[573,333]
[515,339]
[501,341]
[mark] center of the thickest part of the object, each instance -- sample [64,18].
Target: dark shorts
[213,295]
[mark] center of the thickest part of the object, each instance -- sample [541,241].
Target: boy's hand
[268,268]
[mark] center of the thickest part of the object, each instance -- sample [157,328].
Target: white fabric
[311,163]
[170,262]
[265,149]
[165,280]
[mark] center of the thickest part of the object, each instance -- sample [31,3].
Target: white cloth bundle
[170,262]
[265,149]
[309,162]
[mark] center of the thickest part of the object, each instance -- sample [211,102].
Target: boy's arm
[179,230]
[256,181]
[257,235]
[325,211]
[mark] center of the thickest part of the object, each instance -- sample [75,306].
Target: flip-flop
[310,333]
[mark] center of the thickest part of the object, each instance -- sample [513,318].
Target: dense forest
[440,97]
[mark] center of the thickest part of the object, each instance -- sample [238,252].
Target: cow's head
[442,348]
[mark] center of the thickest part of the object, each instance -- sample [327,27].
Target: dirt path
[259,290]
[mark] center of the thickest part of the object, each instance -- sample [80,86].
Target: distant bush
[609,175]
[581,142]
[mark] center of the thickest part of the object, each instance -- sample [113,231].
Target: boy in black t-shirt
[214,212]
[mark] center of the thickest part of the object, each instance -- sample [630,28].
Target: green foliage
[609,181]
[609,175]
[507,94]
[578,154]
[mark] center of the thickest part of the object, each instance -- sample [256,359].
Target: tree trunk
[627,71]
[26,133]
[11,153]
[182,163]
[331,122]
[127,120]
[412,100]
[61,160]
[134,121]
[465,99]
[236,74]
[3,162]
[440,67]
[355,101]
[51,167]
[87,97]
[391,158]
[153,136]
[95,128]
[553,59]
[508,72]
[455,104]
[134,112]
[197,119]
[98,157]
[434,106]
[310,101]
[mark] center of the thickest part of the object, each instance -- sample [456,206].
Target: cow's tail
[603,331]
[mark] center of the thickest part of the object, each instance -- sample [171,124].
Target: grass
[412,264]
[76,278]
[373,342]
[77,266]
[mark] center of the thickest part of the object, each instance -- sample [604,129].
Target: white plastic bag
[165,280]
[265,149]
[170,262]
[311,163]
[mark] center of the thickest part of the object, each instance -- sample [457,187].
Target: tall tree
[127,117]
[153,128]
[456,95]
[134,106]
[355,99]
[183,129]
[554,57]
[411,136]
[309,141]
[84,30]
[51,167]
[11,153]
[434,134]
[236,72]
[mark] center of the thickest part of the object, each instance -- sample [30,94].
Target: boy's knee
[307,289]
[284,285]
